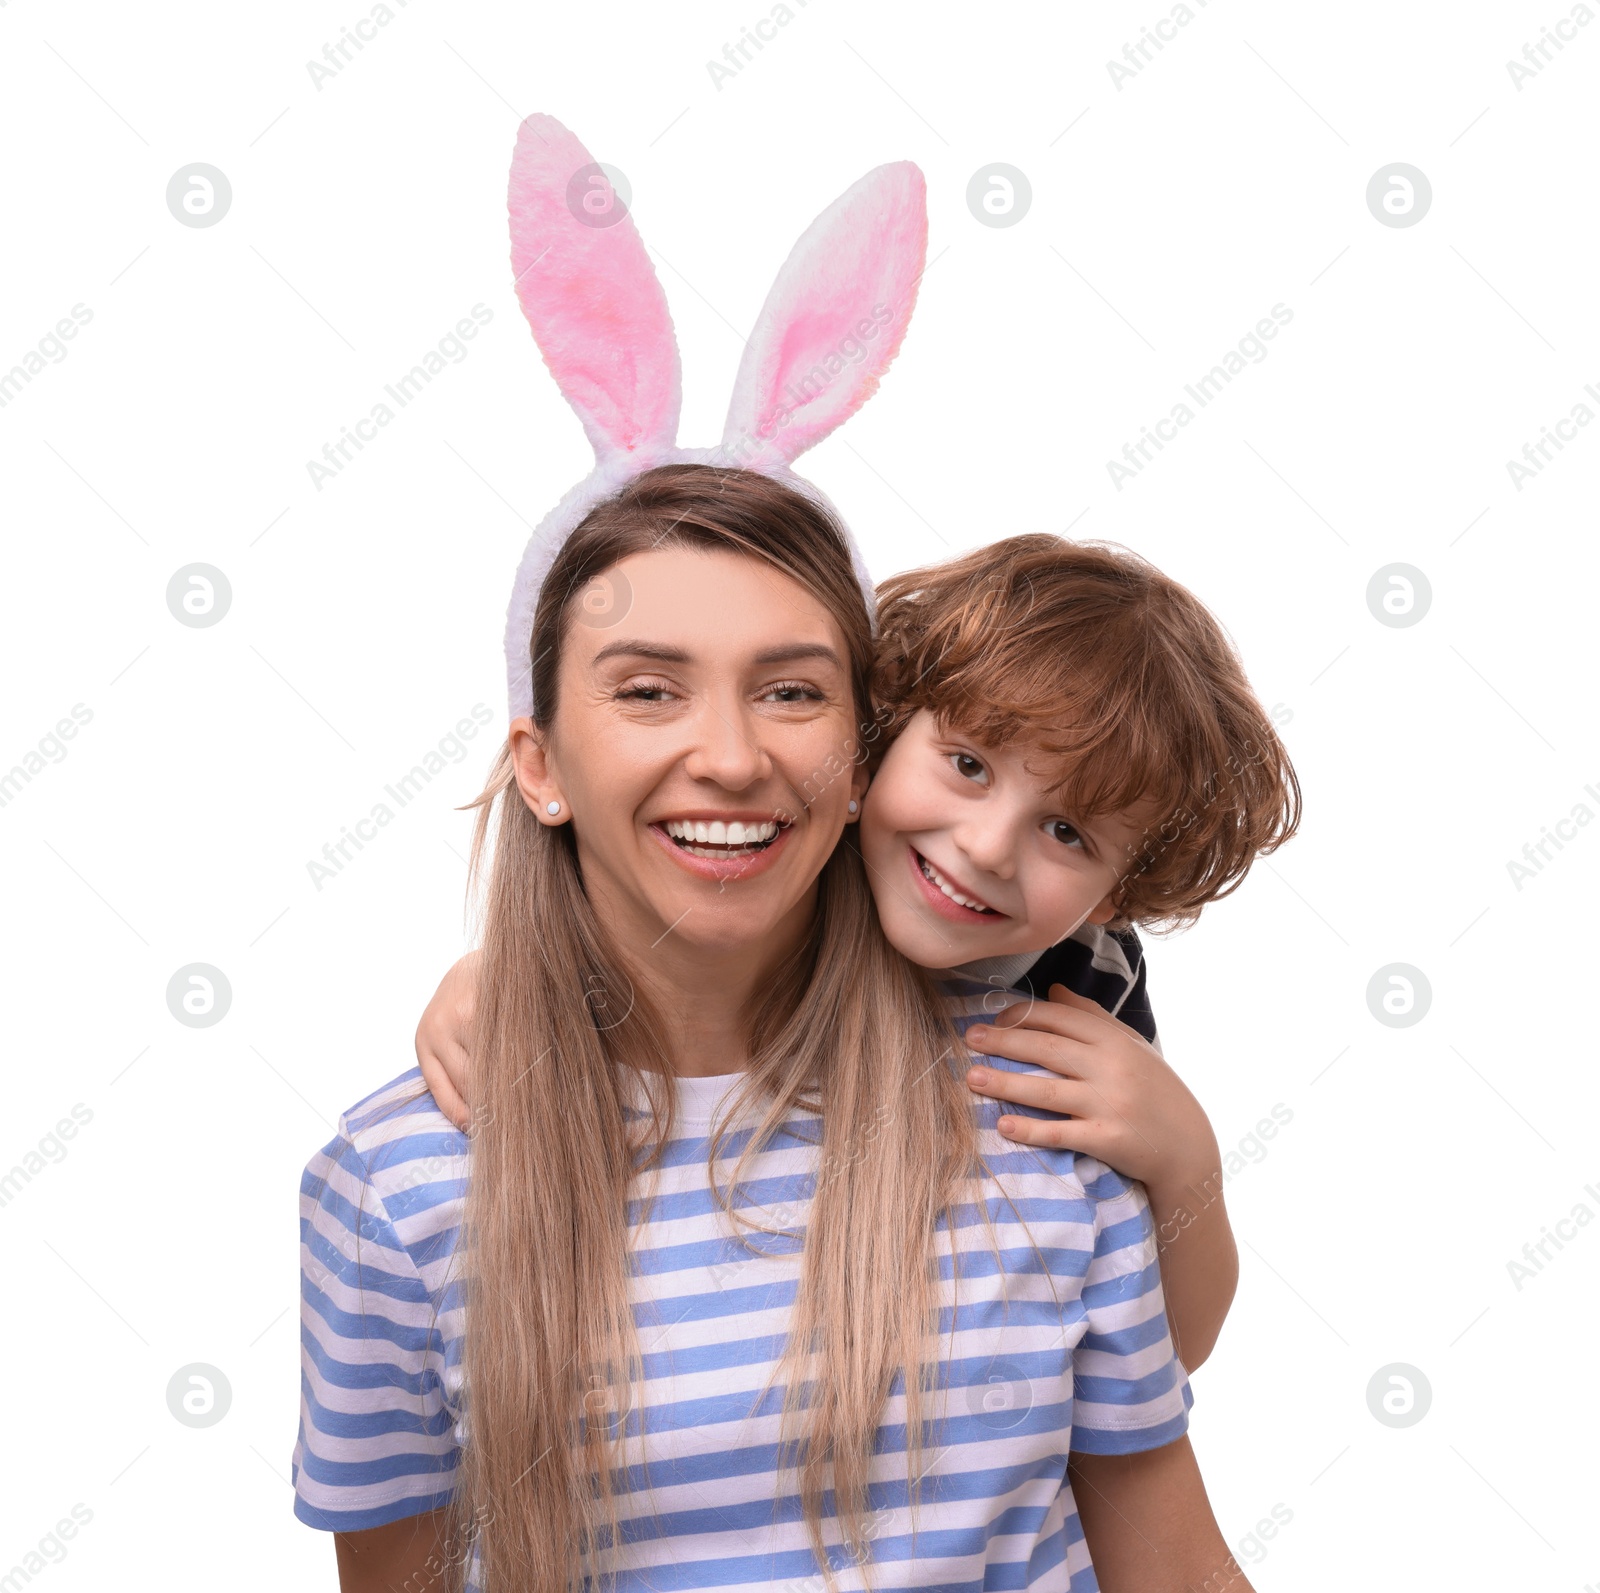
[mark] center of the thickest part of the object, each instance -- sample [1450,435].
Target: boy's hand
[444,1040]
[1128,1108]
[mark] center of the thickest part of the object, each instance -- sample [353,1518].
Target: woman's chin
[735,935]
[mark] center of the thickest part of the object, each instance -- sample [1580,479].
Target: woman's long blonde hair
[849,1029]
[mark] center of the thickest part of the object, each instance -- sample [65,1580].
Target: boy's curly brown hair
[1091,656]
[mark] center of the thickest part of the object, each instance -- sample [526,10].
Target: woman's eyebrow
[786,653]
[640,649]
[792,652]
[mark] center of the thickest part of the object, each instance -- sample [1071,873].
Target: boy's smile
[971,856]
[947,897]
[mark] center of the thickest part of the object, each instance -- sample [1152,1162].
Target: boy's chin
[931,949]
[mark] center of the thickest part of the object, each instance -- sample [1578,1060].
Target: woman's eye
[647,691]
[793,691]
[1067,834]
[968,767]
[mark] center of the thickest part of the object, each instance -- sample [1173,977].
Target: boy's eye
[968,767]
[1067,834]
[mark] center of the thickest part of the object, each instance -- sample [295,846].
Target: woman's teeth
[933,875]
[717,839]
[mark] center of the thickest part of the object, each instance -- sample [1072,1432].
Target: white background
[1168,216]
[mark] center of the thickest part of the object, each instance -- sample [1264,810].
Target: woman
[576,1375]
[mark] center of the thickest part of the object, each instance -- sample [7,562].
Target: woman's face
[700,748]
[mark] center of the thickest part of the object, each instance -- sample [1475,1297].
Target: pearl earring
[552,808]
[854,805]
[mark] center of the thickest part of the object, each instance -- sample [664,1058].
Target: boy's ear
[1105,912]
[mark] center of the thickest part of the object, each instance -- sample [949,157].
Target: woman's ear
[859,781]
[536,779]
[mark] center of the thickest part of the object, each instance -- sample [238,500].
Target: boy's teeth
[698,833]
[938,879]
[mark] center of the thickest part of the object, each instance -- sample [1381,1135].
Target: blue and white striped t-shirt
[1079,1360]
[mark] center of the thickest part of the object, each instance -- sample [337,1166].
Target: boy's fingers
[453,1107]
[445,1096]
[1051,1017]
[1058,992]
[1060,995]
[1028,1089]
[1042,1018]
[1075,1135]
[1070,1058]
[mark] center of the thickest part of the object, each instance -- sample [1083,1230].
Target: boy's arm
[405,1554]
[1199,1259]
[1117,1099]
[1148,1523]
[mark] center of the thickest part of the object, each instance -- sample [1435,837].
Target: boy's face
[946,813]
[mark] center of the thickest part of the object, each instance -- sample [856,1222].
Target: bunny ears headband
[831,324]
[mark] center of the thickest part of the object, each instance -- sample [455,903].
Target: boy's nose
[990,847]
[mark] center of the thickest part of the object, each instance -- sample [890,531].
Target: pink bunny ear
[833,320]
[591,295]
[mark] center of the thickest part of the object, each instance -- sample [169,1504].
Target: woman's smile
[727,847]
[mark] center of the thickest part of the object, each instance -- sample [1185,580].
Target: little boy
[1069,748]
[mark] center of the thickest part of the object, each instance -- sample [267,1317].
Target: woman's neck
[703,995]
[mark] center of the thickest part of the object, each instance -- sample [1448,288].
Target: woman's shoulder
[381,1311]
[395,1172]
[398,1124]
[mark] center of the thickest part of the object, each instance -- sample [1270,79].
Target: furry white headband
[831,324]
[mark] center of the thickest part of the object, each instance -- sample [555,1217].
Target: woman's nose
[728,749]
